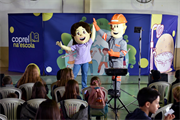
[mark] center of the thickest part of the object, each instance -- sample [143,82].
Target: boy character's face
[117,30]
[105,52]
[82,36]
[153,107]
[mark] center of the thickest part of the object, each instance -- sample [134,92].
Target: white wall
[171,7]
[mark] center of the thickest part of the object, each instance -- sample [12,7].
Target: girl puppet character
[82,42]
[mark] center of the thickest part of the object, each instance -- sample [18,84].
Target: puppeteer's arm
[59,43]
[100,32]
[93,33]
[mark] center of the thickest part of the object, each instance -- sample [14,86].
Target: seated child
[38,92]
[71,90]
[48,110]
[95,96]
[95,81]
[12,95]
[7,82]
[176,105]
[148,100]
[156,75]
[65,75]
[177,76]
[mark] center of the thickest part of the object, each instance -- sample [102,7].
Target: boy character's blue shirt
[137,114]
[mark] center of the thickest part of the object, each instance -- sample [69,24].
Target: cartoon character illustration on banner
[71,58]
[104,58]
[82,42]
[117,46]
[163,51]
[91,62]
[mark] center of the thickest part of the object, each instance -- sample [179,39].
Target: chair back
[6,90]
[72,106]
[28,88]
[10,106]
[35,102]
[3,117]
[172,97]
[162,110]
[61,90]
[164,90]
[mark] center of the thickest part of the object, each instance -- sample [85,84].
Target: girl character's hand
[59,43]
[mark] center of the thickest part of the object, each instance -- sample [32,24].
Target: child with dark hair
[91,96]
[71,90]
[177,76]
[148,100]
[48,110]
[7,81]
[12,95]
[156,75]
[95,81]
[38,91]
[62,78]
[176,105]
[66,74]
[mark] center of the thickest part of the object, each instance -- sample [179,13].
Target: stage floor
[129,89]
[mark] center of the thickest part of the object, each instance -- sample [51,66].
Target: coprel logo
[26,42]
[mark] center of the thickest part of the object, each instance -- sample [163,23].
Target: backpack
[96,98]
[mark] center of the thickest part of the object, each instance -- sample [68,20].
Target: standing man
[117,46]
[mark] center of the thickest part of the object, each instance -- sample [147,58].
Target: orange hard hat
[118,19]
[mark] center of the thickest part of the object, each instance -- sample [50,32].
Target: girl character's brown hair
[38,90]
[71,90]
[75,26]
[48,110]
[31,75]
[66,74]
[95,81]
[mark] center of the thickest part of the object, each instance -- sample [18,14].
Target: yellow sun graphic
[47,16]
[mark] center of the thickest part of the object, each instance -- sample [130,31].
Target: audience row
[148,98]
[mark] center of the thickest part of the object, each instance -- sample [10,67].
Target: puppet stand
[115,72]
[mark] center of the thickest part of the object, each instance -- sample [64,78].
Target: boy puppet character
[82,42]
[117,46]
